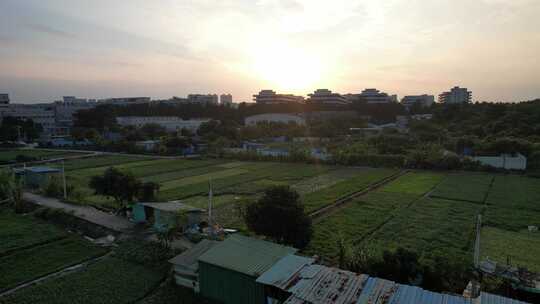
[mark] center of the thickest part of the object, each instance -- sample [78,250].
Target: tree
[147,191]
[280,215]
[122,187]
[11,189]
[153,131]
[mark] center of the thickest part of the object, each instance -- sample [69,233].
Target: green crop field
[25,265]
[110,280]
[97,161]
[417,183]
[521,248]
[464,186]
[355,221]
[17,232]
[326,196]
[515,192]
[9,155]
[430,227]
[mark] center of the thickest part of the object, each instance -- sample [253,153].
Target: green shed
[228,271]
[165,215]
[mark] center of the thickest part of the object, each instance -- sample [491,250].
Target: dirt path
[113,222]
[320,214]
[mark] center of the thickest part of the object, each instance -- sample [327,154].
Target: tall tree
[122,187]
[280,215]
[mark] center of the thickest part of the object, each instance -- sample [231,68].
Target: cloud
[45,29]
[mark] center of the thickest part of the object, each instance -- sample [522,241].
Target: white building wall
[519,162]
[170,123]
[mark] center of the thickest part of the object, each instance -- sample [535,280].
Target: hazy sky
[161,48]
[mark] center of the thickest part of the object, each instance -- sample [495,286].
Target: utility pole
[210,221]
[64,179]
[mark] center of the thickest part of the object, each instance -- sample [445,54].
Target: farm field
[523,249]
[415,183]
[516,192]
[9,155]
[469,187]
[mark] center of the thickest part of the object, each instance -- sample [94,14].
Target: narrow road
[113,222]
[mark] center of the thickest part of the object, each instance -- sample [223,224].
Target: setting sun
[287,68]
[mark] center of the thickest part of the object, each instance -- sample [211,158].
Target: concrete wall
[518,162]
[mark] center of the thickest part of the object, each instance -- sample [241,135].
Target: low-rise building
[271,97]
[43,114]
[324,96]
[274,118]
[4,100]
[421,100]
[167,215]
[148,145]
[226,99]
[372,96]
[504,161]
[206,99]
[456,95]
[126,101]
[65,111]
[170,123]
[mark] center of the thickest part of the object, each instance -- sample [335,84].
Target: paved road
[113,222]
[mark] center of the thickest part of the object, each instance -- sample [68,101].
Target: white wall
[519,162]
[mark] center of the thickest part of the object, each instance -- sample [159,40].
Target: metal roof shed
[35,177]
[228,271]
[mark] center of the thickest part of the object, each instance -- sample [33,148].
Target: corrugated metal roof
[487,298]
[42,170]
[377,291]
[246,255]
[320,284]
[406,294]
[189,258]
[285,272]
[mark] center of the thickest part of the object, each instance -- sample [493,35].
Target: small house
[148,145]
[167,215]
[229,270]
[36,177]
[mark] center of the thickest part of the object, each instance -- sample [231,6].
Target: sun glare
[287,68]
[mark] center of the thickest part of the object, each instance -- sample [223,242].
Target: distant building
[324,96]
[4,99]
[372,96]
[422,100]
[207,99]
[148,145]
[170,123]
[65,111]
[126,101]
[226,99]
[274,117]
[271,97]
[42,114]
[456,95]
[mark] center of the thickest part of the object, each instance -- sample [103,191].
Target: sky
[164,48]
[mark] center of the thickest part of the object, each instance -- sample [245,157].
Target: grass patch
[523,248]
[26,265]
[466,187]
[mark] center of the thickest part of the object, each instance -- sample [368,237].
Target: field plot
[355,221]
[361,180]
[469,187]
[19,232]
[416,183]
[111,280]
[515,192]
[515,219]
[10,155]
[97,161]
[523,248]
[28,264]
[430,226]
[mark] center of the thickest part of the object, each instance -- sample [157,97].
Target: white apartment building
[325,96]
[274,117]
[226,99]
[4,99]
[43,114]
[66,109]
[372,96]
[271,97]
[208,99]
[126,101]
[456,95]
[170,123]
[423,100]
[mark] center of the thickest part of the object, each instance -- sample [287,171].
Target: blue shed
[166,215]
[36,177]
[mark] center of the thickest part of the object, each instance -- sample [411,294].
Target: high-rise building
[422,100]
[226,99]
[324,96]
[456,95]
[372,96]
[203,99]
[271,97]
